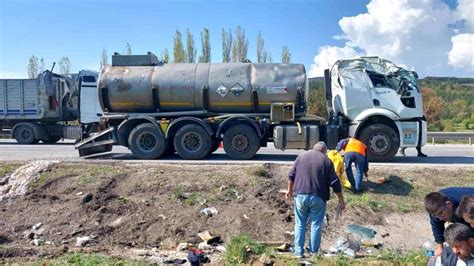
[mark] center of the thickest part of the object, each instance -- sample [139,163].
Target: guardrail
[451,135]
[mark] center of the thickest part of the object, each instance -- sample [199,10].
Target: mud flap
[99,142]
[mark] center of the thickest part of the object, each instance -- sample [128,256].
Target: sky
[433,37]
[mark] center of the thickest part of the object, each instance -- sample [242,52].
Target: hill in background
[448,102]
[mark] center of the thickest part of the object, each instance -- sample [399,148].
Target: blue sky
[81,29]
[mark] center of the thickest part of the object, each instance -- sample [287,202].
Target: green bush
[241,247]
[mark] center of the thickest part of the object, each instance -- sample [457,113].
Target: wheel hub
[25,134]
[240,143]
[192,141]
[379,143]
[147,141]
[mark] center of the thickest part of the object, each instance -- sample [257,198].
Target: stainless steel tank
[219,88]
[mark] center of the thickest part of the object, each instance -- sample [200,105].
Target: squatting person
[441,207]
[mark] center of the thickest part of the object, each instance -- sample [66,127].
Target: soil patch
[123,206]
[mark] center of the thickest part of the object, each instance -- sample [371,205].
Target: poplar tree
[32,67]
[206,47]
[191,51]
[226,46]
[179,56]
[285,54]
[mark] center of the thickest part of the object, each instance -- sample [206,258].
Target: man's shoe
[422,155]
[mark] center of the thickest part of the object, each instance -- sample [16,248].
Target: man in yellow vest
[355,151]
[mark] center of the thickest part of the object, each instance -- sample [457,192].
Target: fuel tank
[217,88]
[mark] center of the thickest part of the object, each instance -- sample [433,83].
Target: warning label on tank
[222,90]
[274,90]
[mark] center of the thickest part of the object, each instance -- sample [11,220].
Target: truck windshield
[88,79]
[379,80]
[410,77]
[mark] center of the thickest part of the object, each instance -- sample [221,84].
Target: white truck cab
[88,100]
[380,103]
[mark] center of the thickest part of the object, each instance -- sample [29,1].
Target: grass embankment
[402,192]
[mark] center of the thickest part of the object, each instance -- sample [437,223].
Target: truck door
[88,100]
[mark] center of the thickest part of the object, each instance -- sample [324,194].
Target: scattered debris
[283,247]
[86,198]
[37,242]
[175,261]
[385,235]
[360,232]
[36,226]
[341,246]
[77,231]
[183,246]
[82,241]
[204,246]
[209,211]
[79,193]
[246,217]
[383,180]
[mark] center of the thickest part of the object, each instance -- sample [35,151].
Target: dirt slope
[146,206]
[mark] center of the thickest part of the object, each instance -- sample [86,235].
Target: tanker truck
[155,108]
[45,109]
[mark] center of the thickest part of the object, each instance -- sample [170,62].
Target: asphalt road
[64,150]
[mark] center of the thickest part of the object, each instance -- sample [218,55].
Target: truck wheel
[382,142]
[51,140]
[25,135]
[192,142]
[241,142]
[146,141]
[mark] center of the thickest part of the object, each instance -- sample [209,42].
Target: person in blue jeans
[355,152]
[309,181]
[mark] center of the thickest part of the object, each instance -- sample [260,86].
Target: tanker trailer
[155,108]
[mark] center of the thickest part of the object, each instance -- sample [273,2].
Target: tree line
[234,47]
[36,66]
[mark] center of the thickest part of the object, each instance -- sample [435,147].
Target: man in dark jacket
[309,181]
[441,207]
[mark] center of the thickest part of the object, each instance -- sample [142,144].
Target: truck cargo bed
[19,99]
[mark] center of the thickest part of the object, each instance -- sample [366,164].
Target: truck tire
[382,142]
[25,135]
[241,142]
[192,142]
[51,140]
[146,141]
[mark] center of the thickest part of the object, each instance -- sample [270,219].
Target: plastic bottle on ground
[429,248]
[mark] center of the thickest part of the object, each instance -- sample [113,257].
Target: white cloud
[327,56]
[462,53]
[465,10]
[414,33]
